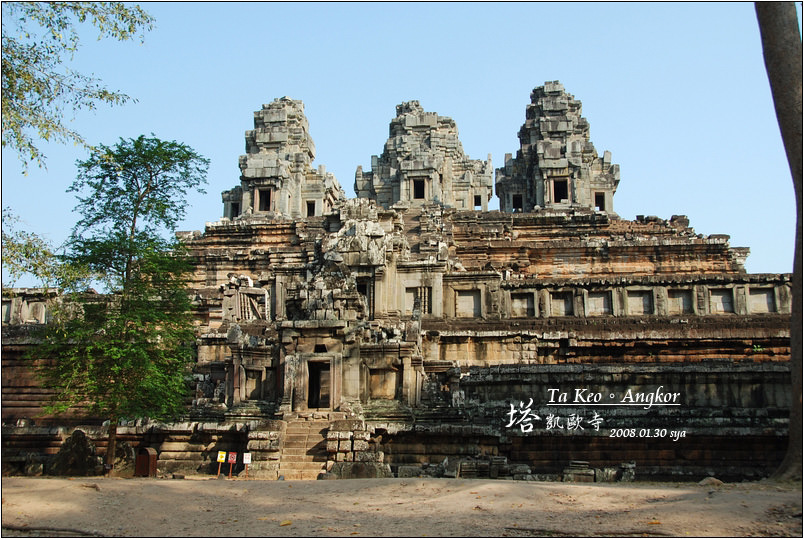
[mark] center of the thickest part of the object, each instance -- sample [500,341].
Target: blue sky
[676,91]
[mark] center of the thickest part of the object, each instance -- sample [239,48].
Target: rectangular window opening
[365,287]
[264,200]
[310,208]
[516,203]
[418,297]
[600,201]
[478,202]
[235,209]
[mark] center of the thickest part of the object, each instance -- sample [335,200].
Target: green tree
[781,48]
[125,354]
[27,253]
[38,89]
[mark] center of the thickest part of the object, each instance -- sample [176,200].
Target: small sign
[232,458]
[246,458]
[221,456]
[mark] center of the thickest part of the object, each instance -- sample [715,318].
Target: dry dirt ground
[204,507]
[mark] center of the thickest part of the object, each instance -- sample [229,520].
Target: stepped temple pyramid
[411,331]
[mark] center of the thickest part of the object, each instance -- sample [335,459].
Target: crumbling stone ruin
[411,331]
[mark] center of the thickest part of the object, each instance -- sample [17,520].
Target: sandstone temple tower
[396,332]
[557,165]
[423,162]
[277,178]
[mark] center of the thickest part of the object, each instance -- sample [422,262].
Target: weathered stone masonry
[395,332]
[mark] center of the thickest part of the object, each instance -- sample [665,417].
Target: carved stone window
[365,287]
[721,300]
[599,303]
[761,300]
[421,295]
[640,302]
[561,304]
[679,301]
[246,303]
[522,305]
[467,304]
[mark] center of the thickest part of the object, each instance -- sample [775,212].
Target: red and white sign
[246,458]
[232,458]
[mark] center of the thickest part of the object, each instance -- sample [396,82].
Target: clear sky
[676,91]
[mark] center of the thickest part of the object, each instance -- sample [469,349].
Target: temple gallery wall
[411,331]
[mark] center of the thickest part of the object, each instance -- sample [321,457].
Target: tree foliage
[24,252]
[125,354]
[38,89]
[128,195]
[27,253]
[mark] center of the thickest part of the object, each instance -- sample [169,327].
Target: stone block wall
[353,452]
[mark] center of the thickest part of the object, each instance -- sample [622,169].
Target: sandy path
[398,507]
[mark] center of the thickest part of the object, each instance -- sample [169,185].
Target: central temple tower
[423,162]
[557,165]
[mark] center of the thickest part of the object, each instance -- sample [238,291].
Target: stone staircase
[304,454]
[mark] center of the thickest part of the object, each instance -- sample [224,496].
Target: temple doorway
[318,385]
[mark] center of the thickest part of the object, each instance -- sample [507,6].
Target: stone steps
[304,453]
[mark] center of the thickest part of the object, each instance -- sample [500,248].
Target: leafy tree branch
[37,88]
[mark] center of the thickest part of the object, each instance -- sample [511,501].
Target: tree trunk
[111,447]
[781,47]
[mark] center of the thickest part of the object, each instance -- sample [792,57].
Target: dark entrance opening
[310,208]
[264,200]
[478,202]
[560,191]
[235,209]
[600,201]
[319,384]
[418,189]
[516,203]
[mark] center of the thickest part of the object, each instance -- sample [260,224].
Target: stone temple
[412,331]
